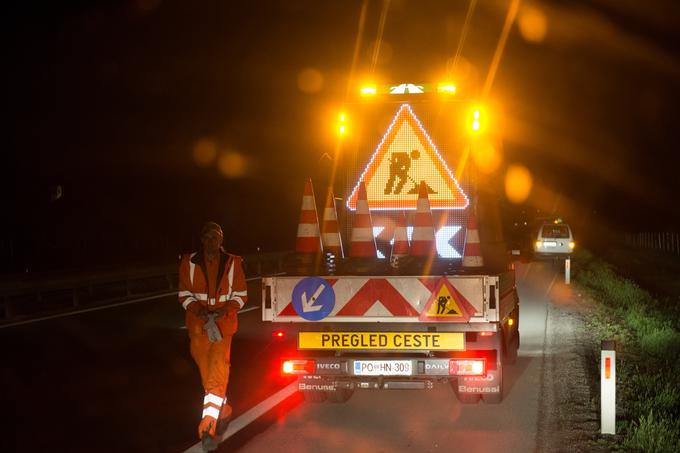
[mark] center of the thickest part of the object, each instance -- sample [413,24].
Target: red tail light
[298,366]
[278,335]
[485,334]
[467,367]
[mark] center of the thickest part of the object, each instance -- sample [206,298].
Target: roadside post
[567,271]
[608,387]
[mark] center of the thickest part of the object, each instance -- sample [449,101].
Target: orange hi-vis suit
[218,286]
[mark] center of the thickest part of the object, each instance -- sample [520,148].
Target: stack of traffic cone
[330,233]
[472,256]
[308,239]
[423,239]
[400,248]
[362,242]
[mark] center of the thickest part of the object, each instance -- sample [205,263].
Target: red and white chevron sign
[376,297]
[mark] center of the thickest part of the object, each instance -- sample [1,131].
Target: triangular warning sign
[447,304]
[405,157]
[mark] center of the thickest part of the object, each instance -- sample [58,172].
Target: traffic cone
[308,238]
[330,233]
[423,240]
[472,254]
[400,247]
[362,242]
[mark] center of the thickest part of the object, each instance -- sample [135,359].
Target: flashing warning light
[572,244]
[368,90]
[476,125]
[446,88]
[539,244]
[511,321]
[298,366]
[467,367]
[485,334]
[341,127]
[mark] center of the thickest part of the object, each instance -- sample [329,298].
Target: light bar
[446,88]
[368,90]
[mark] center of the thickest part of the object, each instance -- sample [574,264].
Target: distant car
[554,241]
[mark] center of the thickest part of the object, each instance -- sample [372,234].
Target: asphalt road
[122,380]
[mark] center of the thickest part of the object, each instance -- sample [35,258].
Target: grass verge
[648,369]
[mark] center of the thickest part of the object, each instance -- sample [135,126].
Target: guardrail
[664,241]
[29,295]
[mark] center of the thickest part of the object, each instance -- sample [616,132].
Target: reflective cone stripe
[472,255]
[423,239]
[330,232]
[308,238]
[362,242]
[400,247]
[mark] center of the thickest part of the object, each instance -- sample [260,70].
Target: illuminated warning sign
[405,157]
[447,304]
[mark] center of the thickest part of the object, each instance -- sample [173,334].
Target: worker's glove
[199,310]
[210,326]
[233,305]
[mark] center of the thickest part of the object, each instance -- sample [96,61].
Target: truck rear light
[467,367]
[278,334]
[485,334]
[300,366]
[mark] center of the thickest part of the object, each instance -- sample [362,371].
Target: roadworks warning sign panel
[447,304]
[405,157]
[442,341]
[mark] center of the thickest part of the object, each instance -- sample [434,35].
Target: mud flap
[489,387]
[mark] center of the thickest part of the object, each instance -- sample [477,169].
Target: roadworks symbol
[405,158]
[446,304]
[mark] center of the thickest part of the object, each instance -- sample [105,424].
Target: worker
[212,288]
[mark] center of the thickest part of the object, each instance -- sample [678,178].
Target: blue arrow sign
[313,298]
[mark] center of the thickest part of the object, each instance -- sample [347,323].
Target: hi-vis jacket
[193,282]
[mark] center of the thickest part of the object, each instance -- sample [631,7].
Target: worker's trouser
[212,358]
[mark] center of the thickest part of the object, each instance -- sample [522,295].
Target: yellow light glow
[342,117]
[447,88]
[572,245]
[476,123]
[511,321]
[518,183]
[538,244]
[476,126]
[341,129]
[487,158]
[368,90]
[475,114]
[533,24]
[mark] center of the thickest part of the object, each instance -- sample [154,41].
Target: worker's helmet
[211,226]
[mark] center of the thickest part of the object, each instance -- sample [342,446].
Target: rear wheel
[495,398]
[315,397]
[340,395]
[464,398]
[510,351]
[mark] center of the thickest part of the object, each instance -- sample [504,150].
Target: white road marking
[547,293]
[251,415]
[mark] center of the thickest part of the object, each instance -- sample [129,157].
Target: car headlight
[572,244]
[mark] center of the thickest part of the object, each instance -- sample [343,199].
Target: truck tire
[495,398]
[464,398]
[315,397]
[340,396]
[510,351]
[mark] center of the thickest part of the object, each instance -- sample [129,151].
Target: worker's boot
[206,431]
[225,418]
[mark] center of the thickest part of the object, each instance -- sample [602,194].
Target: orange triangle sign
[447,304]
[405,157]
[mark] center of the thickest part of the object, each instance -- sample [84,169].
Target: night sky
[153,116]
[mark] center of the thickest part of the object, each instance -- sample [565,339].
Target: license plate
[383,368]
[550,244]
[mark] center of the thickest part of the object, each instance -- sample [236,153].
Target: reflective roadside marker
[567,271]
[608,387]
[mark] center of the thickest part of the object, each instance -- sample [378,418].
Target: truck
[368,324]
